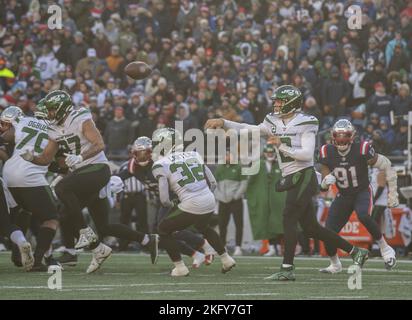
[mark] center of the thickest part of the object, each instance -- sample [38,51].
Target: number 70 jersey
[29,134]
[185,174]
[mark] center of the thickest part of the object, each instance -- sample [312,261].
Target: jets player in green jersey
[293,133]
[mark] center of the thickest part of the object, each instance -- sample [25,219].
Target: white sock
[71,251]
[98,248]
[145,240]
[271,248]
[48,253]
[179,264]
[224,256]
[238,248]
[335,259]
[18,237]
[286,265]
[208,248]
[197,254]
[382,243]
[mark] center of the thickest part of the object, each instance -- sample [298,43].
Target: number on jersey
[31,134]
[342,177]
[189,174]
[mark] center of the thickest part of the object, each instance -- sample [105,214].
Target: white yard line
[253,294]
[337,297]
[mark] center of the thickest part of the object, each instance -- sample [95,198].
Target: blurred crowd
[212,58]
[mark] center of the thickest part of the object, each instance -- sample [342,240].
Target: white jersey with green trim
[29,134]
[185,174]
[290,134]
[70,138]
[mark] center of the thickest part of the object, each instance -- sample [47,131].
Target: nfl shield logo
[273,129]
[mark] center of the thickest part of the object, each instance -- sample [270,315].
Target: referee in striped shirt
[132,198]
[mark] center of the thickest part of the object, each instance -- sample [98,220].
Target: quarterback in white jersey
[186,175]
[294,136]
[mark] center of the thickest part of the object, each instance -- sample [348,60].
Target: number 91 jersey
[185,173]
[29,134]
[351,170]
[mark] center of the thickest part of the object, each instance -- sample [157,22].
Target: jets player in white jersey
[187,176]
[27,182]
[294,135]
[75,132]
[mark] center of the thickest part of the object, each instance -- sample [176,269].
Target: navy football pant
[342,208]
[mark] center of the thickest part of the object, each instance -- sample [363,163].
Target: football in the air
[138,70]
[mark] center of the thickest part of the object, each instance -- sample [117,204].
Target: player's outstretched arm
[93,135]
[226,124]
[45,158]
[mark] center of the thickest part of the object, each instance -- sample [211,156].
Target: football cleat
[271,252]
[26,255]
[180,271]
[51,261]
[359,256]
[285,274]
[38,267]
[198,259]
[389,257]
[238,251]
[86,238]
[153,247]
[100,254]
[227,263]
[67,259]
[332,269]
[15,255]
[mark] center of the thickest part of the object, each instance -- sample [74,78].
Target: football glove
[28,155]
[327,181]
[72,159]
[393,199]
[116,184]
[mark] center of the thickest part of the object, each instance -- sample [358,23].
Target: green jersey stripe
[314,122]
[79,114]
[267,119]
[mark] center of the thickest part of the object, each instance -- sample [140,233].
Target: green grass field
[131,276]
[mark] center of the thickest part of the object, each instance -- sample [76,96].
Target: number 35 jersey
[70,136]
[185,173]
[29,134]
[351,171]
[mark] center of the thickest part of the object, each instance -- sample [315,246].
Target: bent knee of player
[52,224]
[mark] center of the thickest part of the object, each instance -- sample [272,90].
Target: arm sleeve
[385,164]
[239,126]
[164,192]
[305,153]
[210,178]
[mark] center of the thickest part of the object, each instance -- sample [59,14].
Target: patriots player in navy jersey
[345,163]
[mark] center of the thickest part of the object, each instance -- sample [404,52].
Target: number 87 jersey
[351,169]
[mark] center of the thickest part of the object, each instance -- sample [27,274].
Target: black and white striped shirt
[131,185]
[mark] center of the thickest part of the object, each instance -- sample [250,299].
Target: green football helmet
[166,140]
[9,115]
[291,100]
[41,110]
[58,104]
